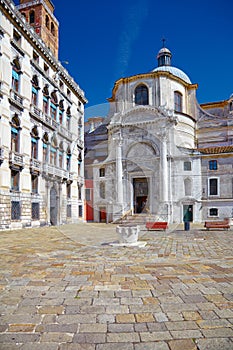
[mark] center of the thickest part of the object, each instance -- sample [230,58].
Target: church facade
[167,156]
[41,122]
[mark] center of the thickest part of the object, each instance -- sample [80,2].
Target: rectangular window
[53,111]
[187,166]
[34,96]
[213,187]
[102,172]
[15,210]
[68,210]
[177,101]
[16,37]
[80,211]
[213,212]
[79,192]
[68,190]
[14,180]
[34,181]
[45,105]
[15,81]
[14,140]
[35,211]
[88,194]
[34,148]
[45,147]
[53,156]
[213,165]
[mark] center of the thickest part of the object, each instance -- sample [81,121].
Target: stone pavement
[67,288]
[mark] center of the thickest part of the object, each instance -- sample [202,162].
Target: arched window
[61,155]
[45,147]
[35,88]
[53,151]
[53,105]
[32,17]
[16,71]
[68,159]
[187,187]
[47,21]
[15,133]
[141,95]
[45,99]
[52,29]
[61,111]
[68,118]
[34,143]
[178,101]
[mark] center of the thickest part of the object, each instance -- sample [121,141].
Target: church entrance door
[140,188]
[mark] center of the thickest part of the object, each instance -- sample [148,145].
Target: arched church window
[141,95]
[178,101]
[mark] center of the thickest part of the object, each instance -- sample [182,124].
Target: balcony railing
[35,165]
[16,159]
[36,111]
[52,170]
[65,132]
[17,98]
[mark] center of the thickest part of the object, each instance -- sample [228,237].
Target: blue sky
[105,40]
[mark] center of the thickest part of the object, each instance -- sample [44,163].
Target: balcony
[16,160]
[64,132]
[55,172]
[1,155]
[35,166]
[36,112]
[16,99]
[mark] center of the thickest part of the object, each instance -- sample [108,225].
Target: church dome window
[141,95]
[178,101]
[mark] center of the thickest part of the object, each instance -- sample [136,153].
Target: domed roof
[175,71]
[164,65]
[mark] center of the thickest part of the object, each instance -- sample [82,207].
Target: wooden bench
[156,225]
[224,224]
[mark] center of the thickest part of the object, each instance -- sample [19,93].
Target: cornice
[19,21]
[151,75]
[219,104]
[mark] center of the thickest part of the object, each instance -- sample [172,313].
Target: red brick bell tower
[39,14]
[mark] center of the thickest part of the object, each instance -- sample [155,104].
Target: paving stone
[93,328]
[19,338]
[155,336]
[56,310]
[67,319]
[39,346]
[62,328]
[56,337]
[91,338]
[156,327]
[125,318]
[75,347]
[147,317]
[181,325]
[123,337]
[115,346]
[216,323]
[214,344]
[152,346]
[121,328]
[218,333]
[191,315]
[104,318]
[186,344]
[28,328]
[160,317]
[184,334]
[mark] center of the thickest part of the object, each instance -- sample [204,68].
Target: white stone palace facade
[41,122]
[167,156]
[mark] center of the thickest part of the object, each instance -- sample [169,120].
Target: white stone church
[165,155]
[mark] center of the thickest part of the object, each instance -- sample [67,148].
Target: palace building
[159,152]
[41,122]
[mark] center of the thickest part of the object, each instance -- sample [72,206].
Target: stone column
[164,170]
[119,172]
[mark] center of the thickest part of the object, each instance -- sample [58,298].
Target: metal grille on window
[15,210]
[35,211]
